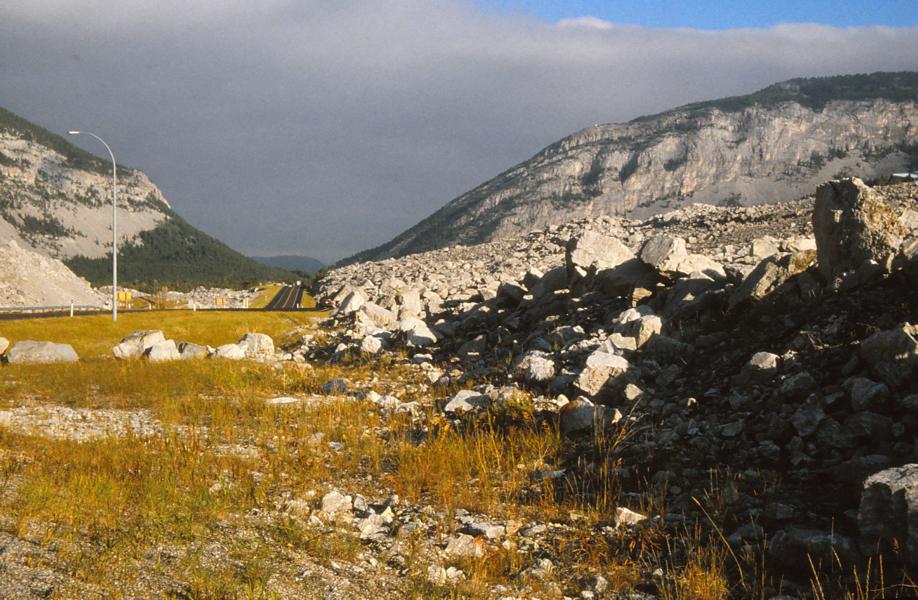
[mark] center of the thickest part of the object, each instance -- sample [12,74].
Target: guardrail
[45,309]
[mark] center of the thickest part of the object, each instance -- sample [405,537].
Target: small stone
[334,502]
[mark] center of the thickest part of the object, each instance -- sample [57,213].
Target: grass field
[205,501]
[92,336]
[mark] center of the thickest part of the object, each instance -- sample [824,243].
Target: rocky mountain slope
[762,360]
[774,145]
[28,278]
[56,200]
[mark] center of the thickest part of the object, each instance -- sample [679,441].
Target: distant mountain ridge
[773,145]
[55,198]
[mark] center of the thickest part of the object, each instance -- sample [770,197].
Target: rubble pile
[774,348]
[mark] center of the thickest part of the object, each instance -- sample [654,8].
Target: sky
[716,14]
[324,127]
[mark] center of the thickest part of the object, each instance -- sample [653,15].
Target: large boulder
[621,279]
[417,332]
[552,281]
[28,351]
[853,223]
[771,274]
[888,512]
[378,316]
[893,355]
[351,303]
[162,352]
[190,351]
[590,252]
[257,346]
[668,256]
[663,252]
[137,343]
[602,368]
[409,301]
[642,328]
[229,352]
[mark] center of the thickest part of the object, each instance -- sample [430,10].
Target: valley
[673,358]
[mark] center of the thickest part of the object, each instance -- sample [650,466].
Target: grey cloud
[327,127]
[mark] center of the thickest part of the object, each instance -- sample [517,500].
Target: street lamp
[114,222]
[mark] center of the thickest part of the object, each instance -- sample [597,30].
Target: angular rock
[229,352]
[798,385]
[465,546]
[256,346]
[552,281]
[409,301]
[622,279]
[591,252]
[137,343]
[893,355]
[601,368]
[642,329]
[334,502]
[663,253]
[371,344]
[667,350]
[162,352]
[807,418]
[581,416]
[888,512]
[864,393]
[771,274]
[379,316]
[535,367]
[417,332]
[853,223]
[510,293]
[626,516]
[762,367]
[189,351]
[351,303]
[29,351]
[465,401]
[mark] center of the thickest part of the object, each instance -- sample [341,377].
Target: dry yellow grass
[108,505]
[92,336]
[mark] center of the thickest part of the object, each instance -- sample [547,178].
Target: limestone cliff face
[61,207]
[775,145]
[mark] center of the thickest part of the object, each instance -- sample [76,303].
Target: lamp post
[114,222]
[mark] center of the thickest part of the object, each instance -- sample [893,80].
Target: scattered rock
[889,510]
[257,346]
[229,352]
[137,343]
[162,351]
[28,351]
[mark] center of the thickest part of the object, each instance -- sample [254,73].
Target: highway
[288,298]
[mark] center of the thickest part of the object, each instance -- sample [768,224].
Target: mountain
[773,145]
[56,200]
[28,278]
[306,264]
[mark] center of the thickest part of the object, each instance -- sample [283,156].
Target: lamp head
[73,133]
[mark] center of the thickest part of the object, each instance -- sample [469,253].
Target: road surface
[288,298]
